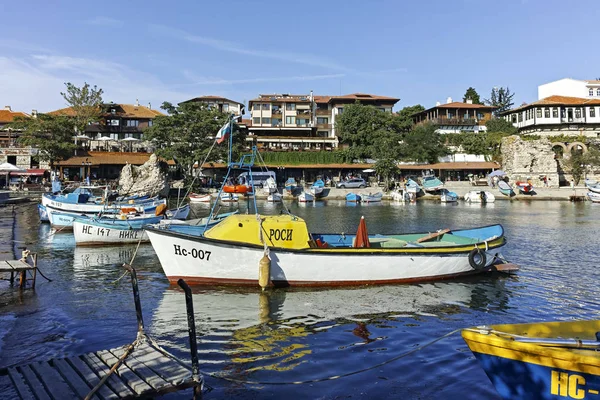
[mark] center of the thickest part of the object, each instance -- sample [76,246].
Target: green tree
[500,125]
[472,94]
[424,144]
[86,102]
[51,135]
[402,121]
[575,165]
[501,99]
[359,126]
[187,133]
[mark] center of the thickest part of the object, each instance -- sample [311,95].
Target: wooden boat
[372,197]
[298,257]
[199,198]
[448,196]
[290,184]
[594,197]
[592,185]
[229,198]
[505,189]
[70,204]
[242,189]
[275,197]
[431,184]
[353,198]
[479,196]
[524,187]
[305,197]
[544,360]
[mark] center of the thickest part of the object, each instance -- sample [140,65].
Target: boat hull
[449,197]
[594,197]
[91,208]
[475,196]
[201,260]
[92,233]
[43,213]
[305,197]
[198,198]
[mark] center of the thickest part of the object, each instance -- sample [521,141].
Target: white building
[558,115]
[571,88]
[220,103]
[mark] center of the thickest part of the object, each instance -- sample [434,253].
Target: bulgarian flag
[223,133]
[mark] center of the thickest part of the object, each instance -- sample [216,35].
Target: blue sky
[420,51]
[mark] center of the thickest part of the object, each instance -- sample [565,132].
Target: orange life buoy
[235,189]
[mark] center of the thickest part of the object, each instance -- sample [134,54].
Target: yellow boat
[545,360]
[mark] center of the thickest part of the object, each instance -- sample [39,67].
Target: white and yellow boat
[230,252]
[546,360]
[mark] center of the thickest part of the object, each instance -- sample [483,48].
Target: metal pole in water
[189,306]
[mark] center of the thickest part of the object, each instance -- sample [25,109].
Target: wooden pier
[140,369]
[20,268]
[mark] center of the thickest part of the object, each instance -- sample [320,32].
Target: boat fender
[477,259]
[264,271]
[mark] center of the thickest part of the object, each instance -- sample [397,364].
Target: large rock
[147,179]
[529,158]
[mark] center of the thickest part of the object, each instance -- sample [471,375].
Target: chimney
[437,103]
[34,113]
[469,101]
[137,103]
[449,100]
[7,108]
[149,105]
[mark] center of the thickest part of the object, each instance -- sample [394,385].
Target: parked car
[352,183]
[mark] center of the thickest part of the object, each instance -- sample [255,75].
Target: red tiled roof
[323,99]
[452,165]
[108,158]
[121,110]
[458,104]
[364,96]
[595,82]
[558,101]
[7,116]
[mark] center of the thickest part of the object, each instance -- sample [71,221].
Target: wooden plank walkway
[147,371]
[20,268]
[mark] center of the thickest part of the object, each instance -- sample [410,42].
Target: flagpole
[230,137]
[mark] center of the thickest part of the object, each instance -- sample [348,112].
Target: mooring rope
[333,377]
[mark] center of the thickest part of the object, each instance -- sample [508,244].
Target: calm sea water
[304,335]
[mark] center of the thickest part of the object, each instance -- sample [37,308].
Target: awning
[29,172]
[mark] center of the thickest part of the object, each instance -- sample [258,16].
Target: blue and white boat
[290,185]
[448,196]
[317,188]
[372,197]
[412,187]
[43,213]
[505,189]
[431,183]
[353,197]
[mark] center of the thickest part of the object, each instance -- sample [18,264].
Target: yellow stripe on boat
[499,343]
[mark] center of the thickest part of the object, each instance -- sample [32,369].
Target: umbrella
[104,138]
[81,137]
[130,139]
[362,236]
[368,170]
[7,168]
[497,172]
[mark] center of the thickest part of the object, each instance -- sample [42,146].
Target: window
[129,135]
[266,121]
[450,115]
[225,107]
[256,106]
[114,136]
[150,122]
[290,107]
[340,110]
[598,92]
[538,113]
[322,120]
[266,106]
[113,122]
[563,113]
[290,120]
[578,113]
[276,121]
[133,122]
[302,121]
[513,118]
[520,117]
[593,112]
[555,113]
[256,120]
[546,113]
[479,115]
[322,133]
[591,92]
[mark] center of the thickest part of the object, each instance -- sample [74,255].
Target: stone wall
[529,158]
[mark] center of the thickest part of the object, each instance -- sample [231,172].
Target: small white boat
[448,196]
[229,198]
[199,198]
[412,187]
[275,197]
[305,197]
[479,196]
[595,197]
[270,186]
[592,185]
[402,195]
[372,198]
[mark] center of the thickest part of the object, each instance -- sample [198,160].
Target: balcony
[454,121]
[323,111]
[323,126]
[275,112]
[572,120]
